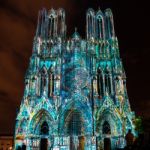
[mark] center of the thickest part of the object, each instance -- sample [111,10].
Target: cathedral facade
[75,95]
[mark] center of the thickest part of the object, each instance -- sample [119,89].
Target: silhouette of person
[129,139]
[23,147]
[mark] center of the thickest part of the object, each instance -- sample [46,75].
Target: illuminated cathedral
[75,95]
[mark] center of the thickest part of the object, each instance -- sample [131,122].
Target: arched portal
[41,126]
[79,107]
[75,129]
[109,125]
[83,128]
[41,120]
[74,123]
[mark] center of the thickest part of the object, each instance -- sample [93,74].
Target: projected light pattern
[75,93]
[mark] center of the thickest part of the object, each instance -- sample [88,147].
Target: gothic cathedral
[75,95]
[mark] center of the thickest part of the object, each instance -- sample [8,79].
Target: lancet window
[107,81]
[51,83]
[43,79]
[100,31]
[52,24]
[100,85]
[41,21]
[109,24]
[61,23]
[90,23]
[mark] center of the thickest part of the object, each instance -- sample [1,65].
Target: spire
[76,35]
[99,9]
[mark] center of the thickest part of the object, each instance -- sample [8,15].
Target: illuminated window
[75,124]
[51,84]
[107,81]
[100,82]
[43,79]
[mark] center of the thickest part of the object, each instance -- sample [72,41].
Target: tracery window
[74,124]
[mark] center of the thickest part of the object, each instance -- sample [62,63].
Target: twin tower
[51,24]
[75,95]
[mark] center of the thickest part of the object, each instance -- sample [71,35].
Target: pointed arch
[38,120]
[61,22]
[110,114]
[43,80]
[85,114]
[90,23]
[41,23]
[109,23]
[100,82]
[45,104]
[100,26]
[108,81]
[74,122]
[51,81]
[52,24]
[114,123]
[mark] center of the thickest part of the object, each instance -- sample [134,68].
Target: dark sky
[18,19]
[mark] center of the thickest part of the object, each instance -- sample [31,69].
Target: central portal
[75,130]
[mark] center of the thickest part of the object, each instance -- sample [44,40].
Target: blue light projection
[75,89]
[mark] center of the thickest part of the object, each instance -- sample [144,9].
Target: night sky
[18,20]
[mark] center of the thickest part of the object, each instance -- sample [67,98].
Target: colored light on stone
[75,93]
